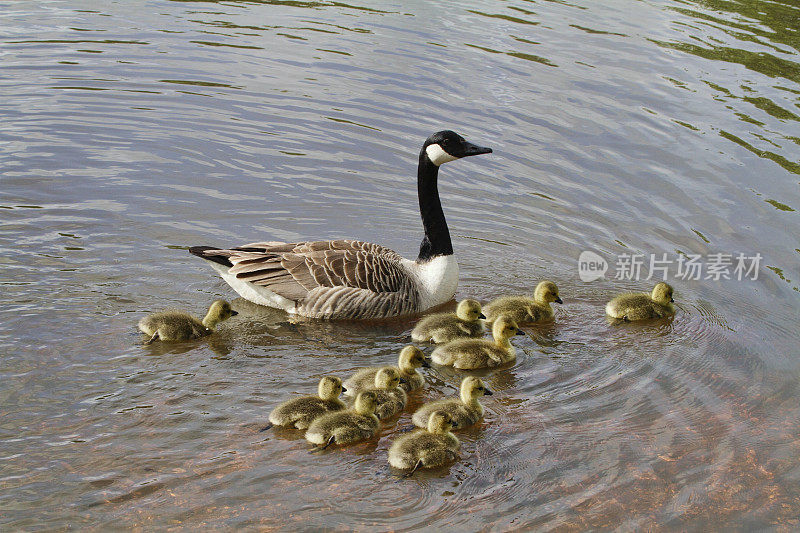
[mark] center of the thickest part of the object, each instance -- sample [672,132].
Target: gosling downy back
[390,399]
[643,306]
[181,326]
[464,411]
[524,309]
[445,327]
[300,412]
[346,427]
[471,354]
[426,448]
[409,360]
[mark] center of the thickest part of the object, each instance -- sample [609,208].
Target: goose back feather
[322,279]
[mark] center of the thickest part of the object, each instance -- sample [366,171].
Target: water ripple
[129,134]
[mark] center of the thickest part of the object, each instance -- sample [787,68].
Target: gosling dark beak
[343,389]
[671,300]
[482,316]
[425,363]
[487,392]
[403,380]
[473,149]
[520,332]
[234,313]
[558,300]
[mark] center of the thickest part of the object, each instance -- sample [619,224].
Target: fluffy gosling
[445,327]
[464,410]
[300,412]
[346,427]
[410,359]
[470,354]
[524,309]
[641,306]
[426,448]
[390,399]
[180,326]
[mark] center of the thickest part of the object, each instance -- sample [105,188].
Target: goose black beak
[482,316]
[425,363]
[558,300]
[343,389]
[520,332]
[234,313]
[487,392]
[473,149]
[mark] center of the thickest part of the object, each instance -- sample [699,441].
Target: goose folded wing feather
[293,273]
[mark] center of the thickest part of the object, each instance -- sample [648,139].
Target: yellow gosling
[346,427]
[410,359]
[181,326]
[464,411]
[390,399]
[470,354]
[300,412]
[426,448]
[641,306]
[445,327]
[524,309]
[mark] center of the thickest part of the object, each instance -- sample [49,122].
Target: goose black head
[445,146]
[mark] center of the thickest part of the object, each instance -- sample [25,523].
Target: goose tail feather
[207,253]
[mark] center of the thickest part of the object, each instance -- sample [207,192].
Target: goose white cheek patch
[438,156]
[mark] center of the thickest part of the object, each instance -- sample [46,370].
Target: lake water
[131,130]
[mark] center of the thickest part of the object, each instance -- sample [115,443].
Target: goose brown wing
[292,270]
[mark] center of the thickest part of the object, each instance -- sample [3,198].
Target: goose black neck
[437,237]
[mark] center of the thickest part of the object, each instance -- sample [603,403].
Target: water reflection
[668,126]
[724,29]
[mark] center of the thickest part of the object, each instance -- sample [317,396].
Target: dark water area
[131,130]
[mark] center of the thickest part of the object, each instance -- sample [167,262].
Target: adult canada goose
[445,327]
[410,359]
[181,326]
[641,306]
[470,354]
[426,448]
[524,309]
[352,279]
[345,427]
[464,410]
[300,412]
